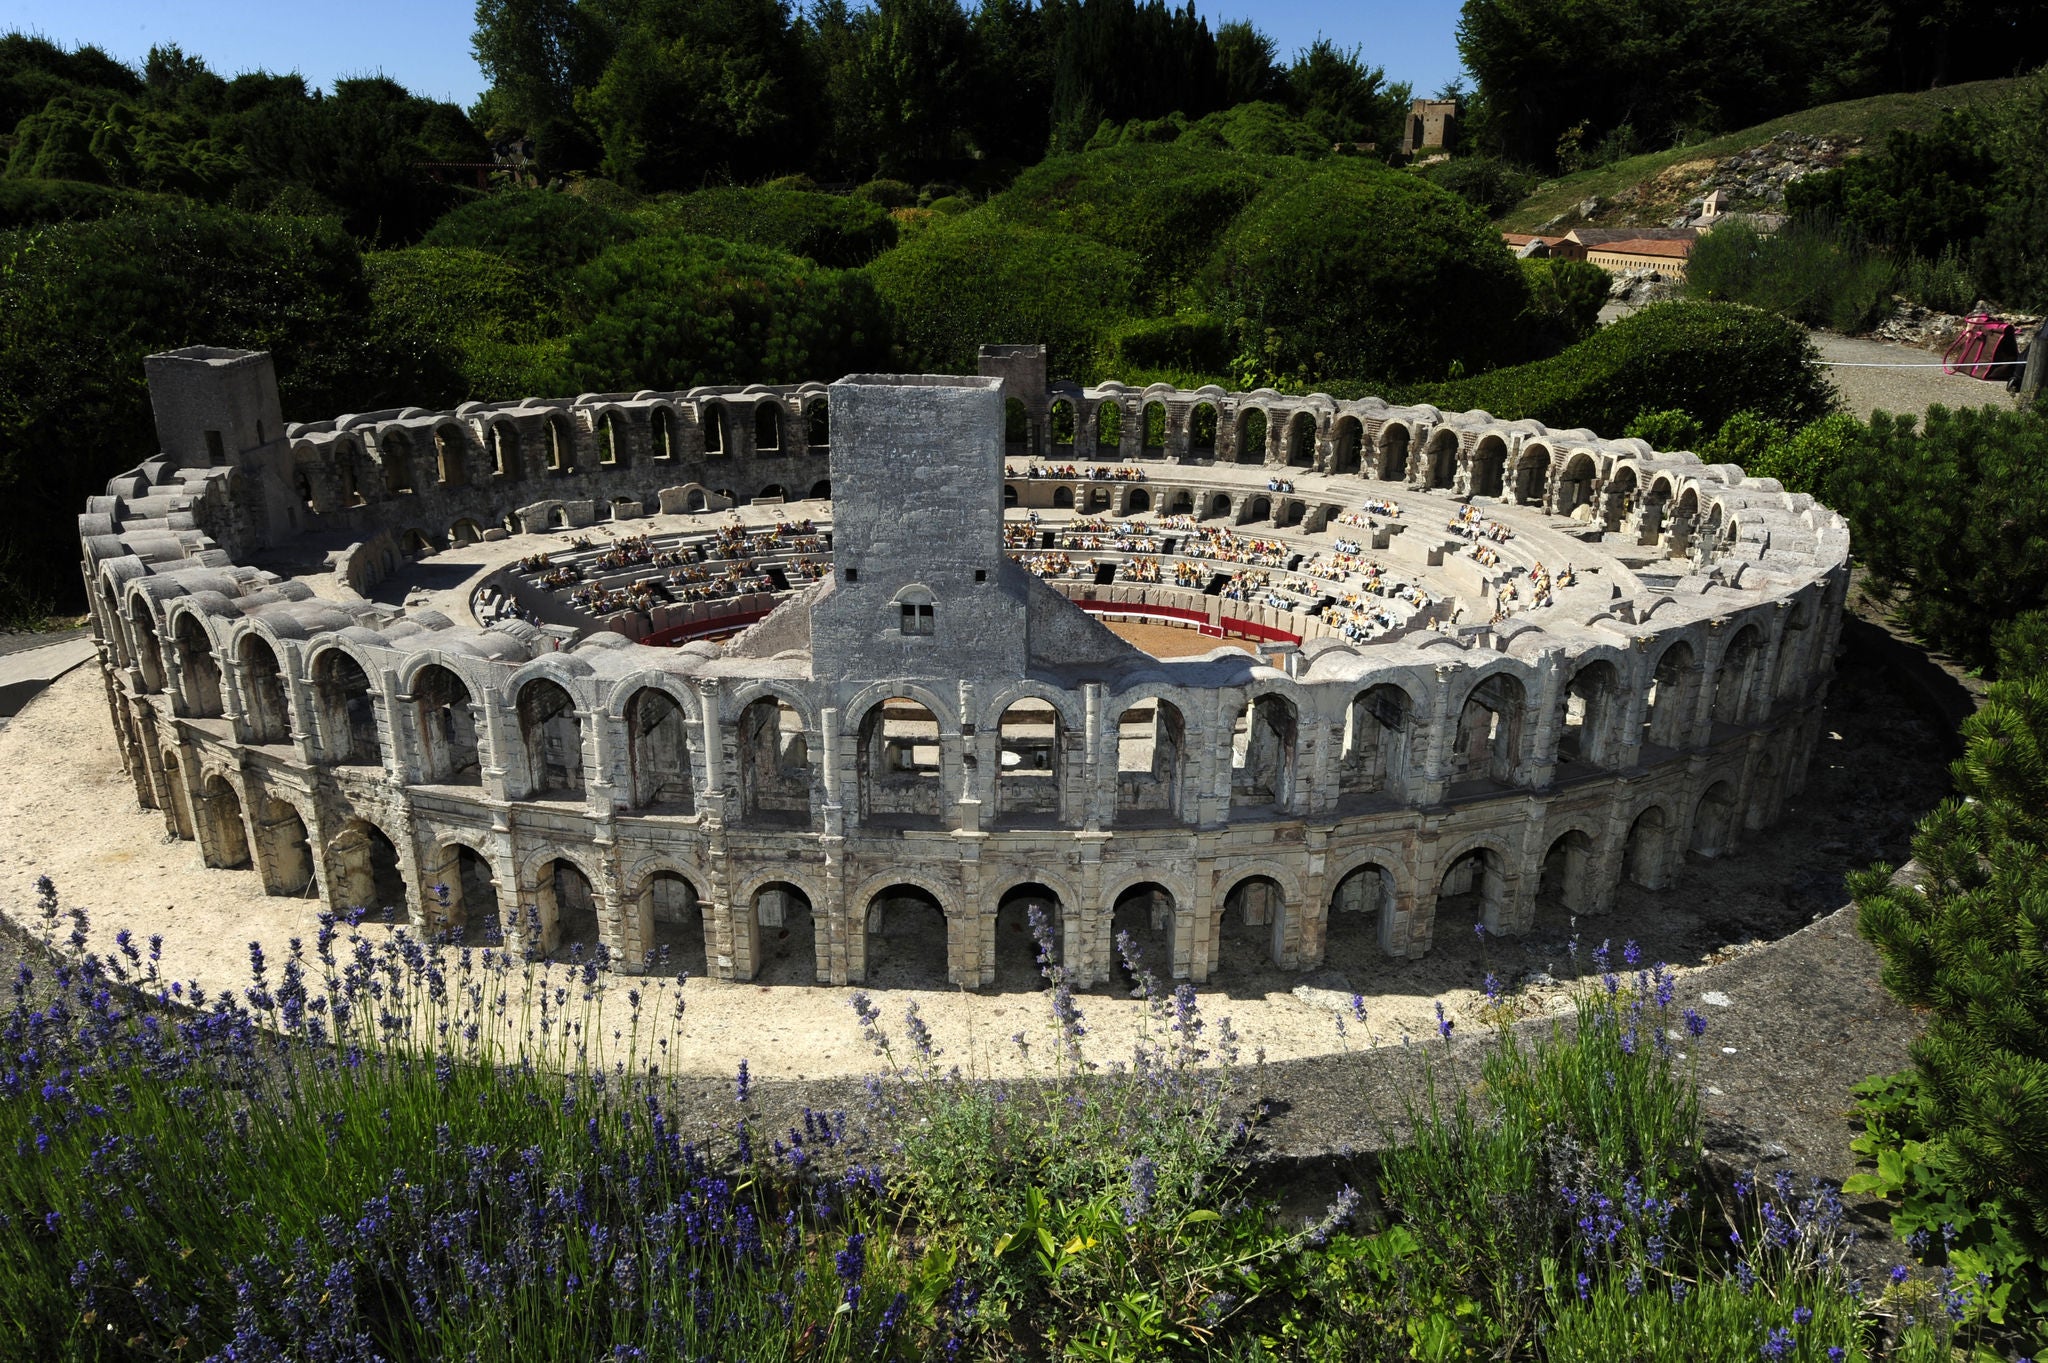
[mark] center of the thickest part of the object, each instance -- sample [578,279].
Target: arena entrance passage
[1028,929]
[1142,924]
[1251,924]
[1359,907]
[674,933]
[366,870]
[780,932]
[223,837]
[1474,891]
[567,906]
[907,945]
[284,854]
[467,892]
[1567,875]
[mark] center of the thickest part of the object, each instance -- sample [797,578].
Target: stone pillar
[1443,727]
[1541,762]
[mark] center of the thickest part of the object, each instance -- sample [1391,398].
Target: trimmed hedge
[840,232]
[1350,270]
[965,281]
[675,311]
[1711,360]
[547,231]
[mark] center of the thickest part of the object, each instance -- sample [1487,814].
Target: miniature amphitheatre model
[467,663]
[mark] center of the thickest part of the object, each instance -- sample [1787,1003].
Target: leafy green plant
[1811,271]
[834,230]
[545,231]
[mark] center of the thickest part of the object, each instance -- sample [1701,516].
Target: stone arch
[1264,747]
[364,868]
[1566,872]
[551,738]
[416,543]
[566,904]
[1360,911]
[348,473]
[821,491]
[672,933]
[767,428]
[1250,914]
[1763,791]
[1301,440]
[1592,702]
[907,933]
[1183,503]
[613,448]
[464,531]
[900,764]
[177,799]
[450,447]
[1156,426]
[1441,458]
[664,433]
[149,659]
[1672,697]
[1735,677]
[1109,424]
[1144,914]
[1619,498]
[1251,436]
[773,753]
[1575,483]
[199,674]
[1031,763]
[1063,499]
[778,920]
[658,752]
[1259,508]
[1489,465]
[1488,741]
[1202,427]
[282,848]
[1646,848]
[1392,464]
[1347,446]
[444,718]
[1062,422]
[1788,675]
[1012,962]
[463,895]
[1219,506]
[1137,501]
[1477,873]
[818,424]
[394,451]
[501,450]
[1151,760]
[1714,821]
[561,443]
[347,707]
[1532,472]
[1656,499]
[266,711]
[223,837]
[1379,725]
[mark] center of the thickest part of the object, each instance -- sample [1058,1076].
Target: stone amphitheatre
[847,668]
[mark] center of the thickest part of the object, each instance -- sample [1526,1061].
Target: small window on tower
[215,452]
[917,617]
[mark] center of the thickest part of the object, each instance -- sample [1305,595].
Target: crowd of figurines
[809,782]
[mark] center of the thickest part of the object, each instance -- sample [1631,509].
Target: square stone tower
[922,587]
[213,406]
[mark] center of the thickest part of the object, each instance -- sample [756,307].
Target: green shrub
[1186,341]
[835,231]
[1808,459]
[674,311]
[1964,945]
[976,279]
[1257,129]
[1817,274]
[1348,269]
[497,319]
[887,193]
[1488,183]
[2021,646]
[1921,194]
[1944,283]
[547,231]
[1708,359]
[1953,513]
[1745,438]
[1164,203]
[1565,298]
[1666,429]
[26,203]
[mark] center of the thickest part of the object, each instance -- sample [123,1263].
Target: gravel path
[1901,390]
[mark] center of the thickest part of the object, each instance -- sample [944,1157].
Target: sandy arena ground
[71,813]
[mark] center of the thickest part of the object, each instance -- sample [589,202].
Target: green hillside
[1663,176]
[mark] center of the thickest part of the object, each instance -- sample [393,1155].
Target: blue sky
[424,44]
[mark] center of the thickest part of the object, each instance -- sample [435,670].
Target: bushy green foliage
[1164,203]
[1666,429]
[1818,274]
[887,193]
[1807,460]
[1944,283]
[1924,192]
[2021,645]
[1708,359]
[1486,182]
[81,303]
[831,229]
[1261,128]
[673,311]
[1192,342]
[25,203]
[546,231]
[1964,944]
[1565,298]
[496,320]
[1954,514]
[976,279]
[1350,270]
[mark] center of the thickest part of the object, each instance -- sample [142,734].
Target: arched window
[1155,425]
[1202,428]
[552,734]
[1393,461]
[264,710]
[348,712]
[658,750]
[818,423]
[1251,436]
[1443,459]
[448,449]
[1376,733]
[899,765]
[1489,467]
[1350,442]
[1031,765]
[198,669]
[716,446]
[1109,426]
[396,452]
[1301,440]
[774,764]
[1488,744]
[767,428]
[662,432]
[914,613]
[1591,704]
[611,441]
[1062,422]
[503,446]
[447,728]
[1262,755]
[561,445]
[1151,758]
[1016,426]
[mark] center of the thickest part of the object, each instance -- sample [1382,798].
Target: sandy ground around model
[70,813]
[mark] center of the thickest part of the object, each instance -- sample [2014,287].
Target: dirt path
[1900,391]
